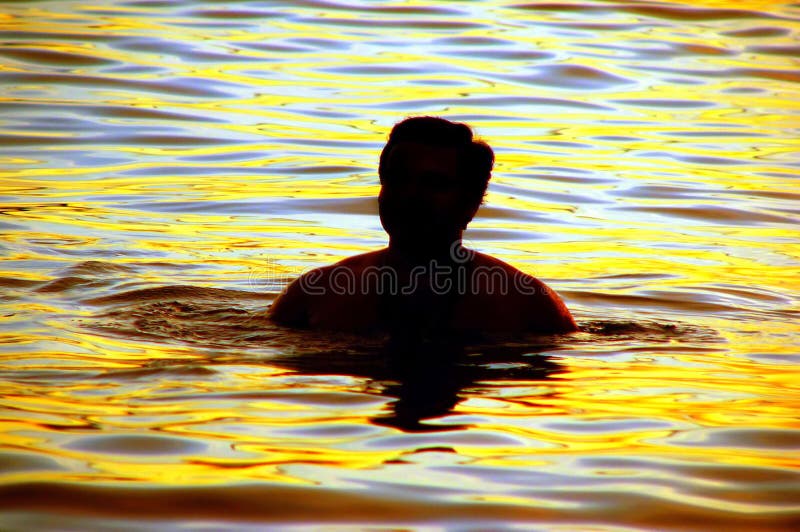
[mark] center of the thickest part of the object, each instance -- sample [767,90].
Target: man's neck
[415,254]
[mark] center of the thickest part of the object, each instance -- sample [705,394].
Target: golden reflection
[212,152]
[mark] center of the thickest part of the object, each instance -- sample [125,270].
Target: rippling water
[168,166]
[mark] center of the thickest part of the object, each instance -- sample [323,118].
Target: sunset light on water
[166,168]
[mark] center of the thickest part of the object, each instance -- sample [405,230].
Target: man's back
[371,292]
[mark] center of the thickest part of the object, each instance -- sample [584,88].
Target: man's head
[434,175]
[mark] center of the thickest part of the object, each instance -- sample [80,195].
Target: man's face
[422,200]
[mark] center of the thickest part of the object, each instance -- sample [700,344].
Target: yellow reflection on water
[211,151]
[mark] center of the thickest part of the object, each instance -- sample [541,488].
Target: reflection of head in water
[433,175]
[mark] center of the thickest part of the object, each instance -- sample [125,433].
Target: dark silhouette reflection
[429,377]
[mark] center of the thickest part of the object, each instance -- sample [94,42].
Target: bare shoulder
[525,295]
[293,306]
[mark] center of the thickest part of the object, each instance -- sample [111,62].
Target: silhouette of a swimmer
[433,178]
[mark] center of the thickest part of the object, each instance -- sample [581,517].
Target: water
[168,166]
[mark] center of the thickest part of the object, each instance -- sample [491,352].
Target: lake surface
[167,167]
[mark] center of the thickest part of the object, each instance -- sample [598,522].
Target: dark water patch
[18,462]
[690,49]
[665,103]
[523,101]
[136,445]
[789,51]
[667,192]
[693,302]
[500,235]
[383,70]
[64,284]
[574,77]
[319,170]
[319,44]
[234,156]
[426,24]
[114,139]
[328,142]
[729,73]
[174,86]
[87,274]
[593,27]
[192,293]
[135,113]
[501,55]
[338,431]
[182,50]
[779,359]
[274,206]
[168,372]
[280,48]
[41,123]
[9,226]
[710,161]
[11,282]
[99,268]
[725,474]
[741,438]
[636,276]
[636,329]
[152,4]
[713,214]
[369,504]
[135,70]
[703,133]
[305,397]
[461,438]
[210,321]
[668,12]
[693,159]
[471,41]
[232,14]
[53,58]
[50,378]
[548,196]
[617,138]
[499,102]
[353,7]
[684,14]
[766,31]
[568,175]
[762,73]
[189,170]
[772,194]
[43,38]
[561,144]
[595,427]
[663,50]
[492,212]
[747,294]
[743,90]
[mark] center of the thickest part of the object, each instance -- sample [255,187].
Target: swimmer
[433,177]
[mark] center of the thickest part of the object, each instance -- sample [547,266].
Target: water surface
[167,167]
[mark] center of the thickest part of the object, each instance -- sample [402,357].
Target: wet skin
[437,285]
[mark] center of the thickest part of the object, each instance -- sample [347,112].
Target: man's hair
[475,157]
